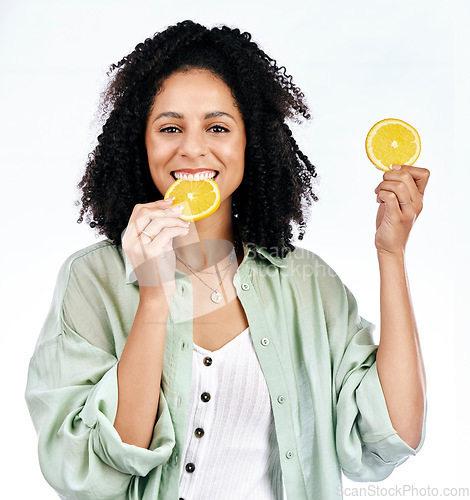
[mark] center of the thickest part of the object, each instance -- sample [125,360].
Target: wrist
[153,296]
[385,255]
[391,264]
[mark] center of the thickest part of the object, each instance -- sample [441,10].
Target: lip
[194,171]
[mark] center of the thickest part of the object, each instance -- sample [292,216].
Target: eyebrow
[178,116]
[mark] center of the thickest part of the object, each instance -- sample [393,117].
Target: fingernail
[396,167]
[169,199]
[177,208]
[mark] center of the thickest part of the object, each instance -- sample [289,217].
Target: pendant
[216,297]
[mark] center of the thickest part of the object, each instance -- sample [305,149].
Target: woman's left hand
[400,195]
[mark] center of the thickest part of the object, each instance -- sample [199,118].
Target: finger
[150,233]
[391,202]
[142,211]
[164,202]
[144,208]
[419,175]
[164,238]
[407,180]
[159,218]
[138,233]
[147,213]
[164,210]
[146,221]
[399,188]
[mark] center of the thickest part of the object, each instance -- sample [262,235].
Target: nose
[193,144]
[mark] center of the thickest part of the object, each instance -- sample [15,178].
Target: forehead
[195,87]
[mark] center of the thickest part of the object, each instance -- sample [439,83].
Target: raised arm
[140,367]
[399,360]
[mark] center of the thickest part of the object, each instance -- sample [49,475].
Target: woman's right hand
[152,257]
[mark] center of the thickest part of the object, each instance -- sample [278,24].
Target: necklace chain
[215,296]
[201,270]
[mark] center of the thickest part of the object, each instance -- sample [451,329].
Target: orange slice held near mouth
[392,142]
[199,198]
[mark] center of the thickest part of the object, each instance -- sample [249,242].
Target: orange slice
[199,198]
[392,142]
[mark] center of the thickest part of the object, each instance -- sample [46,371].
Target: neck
[209,241]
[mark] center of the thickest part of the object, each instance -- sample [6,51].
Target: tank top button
[205,397]
[207,361]
[190,467]
[199,432]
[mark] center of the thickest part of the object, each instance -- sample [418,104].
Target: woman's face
[195,127]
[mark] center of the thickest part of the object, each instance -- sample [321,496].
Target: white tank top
[231,450]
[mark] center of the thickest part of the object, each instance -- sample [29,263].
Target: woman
[214,359]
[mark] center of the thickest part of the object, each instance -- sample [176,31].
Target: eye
[219,129]
[170,130]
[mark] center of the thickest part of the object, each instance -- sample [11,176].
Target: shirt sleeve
[72,396]
[368,446]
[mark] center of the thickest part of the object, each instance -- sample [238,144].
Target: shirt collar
[264,254]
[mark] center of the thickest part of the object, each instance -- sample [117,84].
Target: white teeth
[195,177]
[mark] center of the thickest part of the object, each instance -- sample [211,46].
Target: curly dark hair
[277,182]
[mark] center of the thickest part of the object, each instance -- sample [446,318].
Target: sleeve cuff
[99,413]
[375,425]
[369,448]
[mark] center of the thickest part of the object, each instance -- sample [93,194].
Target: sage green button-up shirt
[316,353]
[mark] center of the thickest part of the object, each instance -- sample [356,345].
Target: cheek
[157,158]
[237,162]
[241,157]
[157,154]
[153,151]
[235,153]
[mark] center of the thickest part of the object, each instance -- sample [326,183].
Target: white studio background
[357,62]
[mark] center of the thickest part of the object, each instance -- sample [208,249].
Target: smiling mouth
[199,176]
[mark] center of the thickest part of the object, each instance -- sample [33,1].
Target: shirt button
[183,345]
[207,361]
[178,402]
[245,286]
[265,341]
[190,467]
[205,397]
[289,454]
[199,432]
[280,399]
[176,459]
